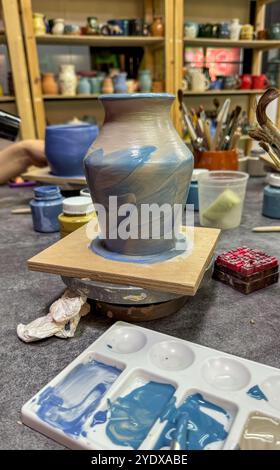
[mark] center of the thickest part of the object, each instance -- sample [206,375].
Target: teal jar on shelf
[84,87]
[145,81]
[271,197]
[274,31]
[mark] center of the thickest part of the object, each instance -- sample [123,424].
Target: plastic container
[193,191]
[45,208]
[221,198]
[77,211]
[271,197]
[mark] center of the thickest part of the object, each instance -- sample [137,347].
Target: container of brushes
[221,198]
[216,159]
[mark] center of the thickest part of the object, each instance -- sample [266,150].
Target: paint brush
[181,433]
[197,141]
[207,133]
[271,228]
[220,120]
[270,152]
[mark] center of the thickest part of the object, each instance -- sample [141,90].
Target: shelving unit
[202,11]
[48,108]
[21,103]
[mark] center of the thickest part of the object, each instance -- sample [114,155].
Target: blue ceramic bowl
[66,146]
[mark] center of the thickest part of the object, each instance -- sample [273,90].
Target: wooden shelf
[214,42]
[223,92]
[7,99]
[66,97]
[100,41]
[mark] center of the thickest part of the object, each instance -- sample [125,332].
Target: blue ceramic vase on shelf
[66,146]
[119,81]
[84,87]
[145,81]
[139,158]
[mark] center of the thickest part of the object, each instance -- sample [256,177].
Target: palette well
[135,388]
[72,257]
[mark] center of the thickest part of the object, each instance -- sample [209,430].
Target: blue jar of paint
[271,197]
[45,208]
[193,191]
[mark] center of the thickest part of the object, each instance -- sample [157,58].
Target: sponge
[224,202]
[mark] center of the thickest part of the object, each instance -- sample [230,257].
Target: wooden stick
[271,228]
[207,133]
[21,210]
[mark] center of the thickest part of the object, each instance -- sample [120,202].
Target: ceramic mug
[224,30]
[259,82]
[262,34]
[231,82]
[216,84]
[246,81]
[66,147]
[247,32]
[274,31]
[190,30]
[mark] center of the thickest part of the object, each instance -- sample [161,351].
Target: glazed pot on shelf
[58,27]
[107,86]
[157,27]
[39,24]
[84,86]
[139,158]
[49,84]
[119,81]
[145,81]
[68,80]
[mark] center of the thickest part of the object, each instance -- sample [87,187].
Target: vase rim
[133,96]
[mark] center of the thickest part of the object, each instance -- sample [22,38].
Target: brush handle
[21,210]
[271,228]
[207,133]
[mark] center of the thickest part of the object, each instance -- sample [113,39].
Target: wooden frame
[19,67]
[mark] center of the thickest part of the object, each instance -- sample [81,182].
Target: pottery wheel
[116,293]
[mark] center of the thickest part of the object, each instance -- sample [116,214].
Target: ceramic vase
[145,81]
[39,24]
[107,86]
[96,85]
[139,158]
[157,27]
[49,85]
[67,80]
[235,28]
[84,87]
[58,27]
[120,85]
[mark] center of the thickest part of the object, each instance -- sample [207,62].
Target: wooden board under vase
[72,257]
[43,175]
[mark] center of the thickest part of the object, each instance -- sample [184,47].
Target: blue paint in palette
[131,417]
[72,401]
[257,393]
[202,428]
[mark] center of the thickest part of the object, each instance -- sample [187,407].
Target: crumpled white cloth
[61,321]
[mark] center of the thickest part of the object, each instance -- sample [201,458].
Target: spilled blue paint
[67,405]
[257,393]
[202,428]
[131,417]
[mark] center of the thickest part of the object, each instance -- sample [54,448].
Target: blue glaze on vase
[84,86]
[119,81]
[45,208]
[140,158]
[257,393]
[202,428]
[145,81]
[69,404]
[131,417]
[66,146]
[271,197]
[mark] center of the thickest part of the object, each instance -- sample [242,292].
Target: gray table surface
[217,316]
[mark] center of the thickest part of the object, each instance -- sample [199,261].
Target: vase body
[120,85]
[145,81]
[58,27]
[49,85]
[67,80]
[139,158]
[84,87]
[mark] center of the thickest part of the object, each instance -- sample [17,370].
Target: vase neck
[137,109]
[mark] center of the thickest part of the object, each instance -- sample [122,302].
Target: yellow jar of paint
[77,211]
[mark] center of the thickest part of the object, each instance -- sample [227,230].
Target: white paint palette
[131,387]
